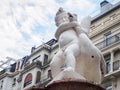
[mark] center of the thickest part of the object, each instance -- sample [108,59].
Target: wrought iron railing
[109,41]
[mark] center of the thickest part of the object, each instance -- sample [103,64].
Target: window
[28,80]
[24,60]
[38,77]
[108,66]
[117,54]
[45,59]
[109,86]
[18,65]
[1,84]
[108,39]
[13,67]
[116,63]
[49,74]
[14,82]
[20,78]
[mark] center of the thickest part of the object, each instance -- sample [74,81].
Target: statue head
[72,17]
[60,10]
[61,17]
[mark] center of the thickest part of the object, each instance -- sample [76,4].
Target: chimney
[32,49]
[105,6]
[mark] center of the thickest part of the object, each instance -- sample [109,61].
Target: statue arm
[80,30]
[64,27]
[85,24]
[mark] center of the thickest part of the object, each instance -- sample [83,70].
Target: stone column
[111,62]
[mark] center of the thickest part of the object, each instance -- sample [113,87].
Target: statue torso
[67,37]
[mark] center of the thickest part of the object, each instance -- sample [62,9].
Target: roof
[101,14]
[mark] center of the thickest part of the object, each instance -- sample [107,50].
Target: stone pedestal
[73,85]
[70,85]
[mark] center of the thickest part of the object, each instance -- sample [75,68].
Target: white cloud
[18,19]
[81,5]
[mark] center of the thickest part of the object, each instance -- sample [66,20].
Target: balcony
[114,66]
[112,70]
[109,41]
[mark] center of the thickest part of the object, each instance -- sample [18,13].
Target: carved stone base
[70,85]
[73,85]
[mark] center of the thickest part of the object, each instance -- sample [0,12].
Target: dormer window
[45,59]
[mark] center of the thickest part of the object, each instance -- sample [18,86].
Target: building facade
[34,69]
[105,34]
[31,70]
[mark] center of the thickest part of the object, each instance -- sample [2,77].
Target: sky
[28,23]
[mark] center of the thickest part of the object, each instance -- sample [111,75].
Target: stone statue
[77,58]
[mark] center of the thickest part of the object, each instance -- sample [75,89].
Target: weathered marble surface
[80,57]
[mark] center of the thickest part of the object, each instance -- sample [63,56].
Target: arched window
[38,77]
[49,74]
[28,80]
